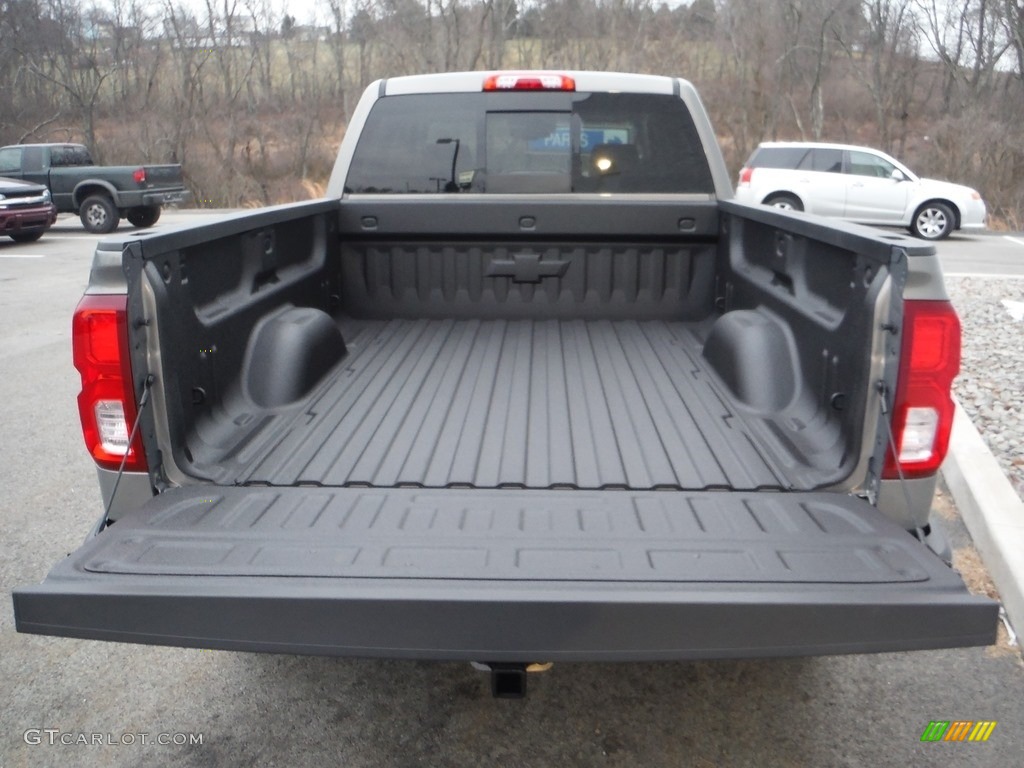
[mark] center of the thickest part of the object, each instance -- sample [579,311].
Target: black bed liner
[508,575]
[534,404]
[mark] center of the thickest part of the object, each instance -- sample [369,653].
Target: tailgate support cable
[143,402]
[883,390]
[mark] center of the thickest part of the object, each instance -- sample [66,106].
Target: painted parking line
[985,275]
[1015,308]
[22,256]
[1016,240]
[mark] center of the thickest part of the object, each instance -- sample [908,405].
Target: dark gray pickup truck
[527,387]
[100,194]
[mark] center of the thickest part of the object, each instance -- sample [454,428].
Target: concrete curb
[992,512]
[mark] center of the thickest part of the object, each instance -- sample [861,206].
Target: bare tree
[190,55]
[338,16]
[262,22]
[749,71]
[1013,19]
[968,42]
[74,61]
[885,57]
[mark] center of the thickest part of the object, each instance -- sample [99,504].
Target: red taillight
[529,81]
[746,174]
[922,414]
[106,404]
[139,175]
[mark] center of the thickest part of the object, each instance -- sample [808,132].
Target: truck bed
[521,403]
[393,360]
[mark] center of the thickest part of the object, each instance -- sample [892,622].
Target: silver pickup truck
[527,387]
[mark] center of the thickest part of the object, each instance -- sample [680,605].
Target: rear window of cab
[499,143]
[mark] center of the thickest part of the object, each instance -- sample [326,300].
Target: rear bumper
[156,197]
[166,198]
[27,219]
[547,621]
[508,576]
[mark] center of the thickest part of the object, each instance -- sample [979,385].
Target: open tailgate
[508,575]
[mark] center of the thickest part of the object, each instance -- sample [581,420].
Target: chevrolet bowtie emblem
[526,268]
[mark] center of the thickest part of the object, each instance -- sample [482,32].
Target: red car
[26,210]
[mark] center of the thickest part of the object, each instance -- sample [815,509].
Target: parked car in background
[858,184]
[100,195]
[26,210]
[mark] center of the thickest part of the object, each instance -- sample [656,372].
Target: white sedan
[858,184]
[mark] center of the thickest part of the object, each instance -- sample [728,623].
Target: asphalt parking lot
[992,254]
[287,711]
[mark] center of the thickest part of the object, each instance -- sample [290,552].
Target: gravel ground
[991,383]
